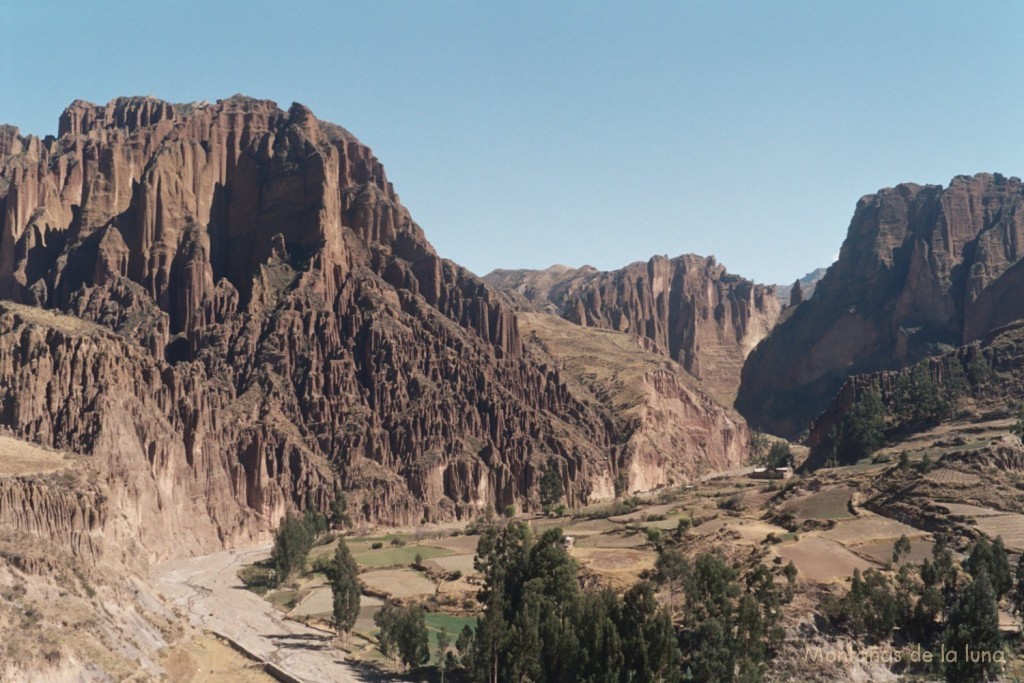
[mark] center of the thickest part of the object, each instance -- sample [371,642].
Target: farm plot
[451,563]
[946,476]
[643,514]
[460,545]
[969,511]
[394,556]
[920,550]
[626,563]
[635,540]
[320,603]
[831,504]
[870,529]
[398,583]
[1010,526]
[821,559]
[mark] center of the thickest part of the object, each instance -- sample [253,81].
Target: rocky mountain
[669,429]
[979,381]
[688,308]
[807,284]
[228,306]
[250,319]
[923,268]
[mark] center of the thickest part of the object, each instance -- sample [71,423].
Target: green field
[437,620]
[391,556]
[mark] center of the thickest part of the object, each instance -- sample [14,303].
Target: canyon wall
[260,324]
[688,308]
[922,269]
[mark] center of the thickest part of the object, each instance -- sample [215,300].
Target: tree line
[915,401]
[937,604]
[538,624]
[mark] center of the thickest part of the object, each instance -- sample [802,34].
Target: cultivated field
[821,559]
[824,505]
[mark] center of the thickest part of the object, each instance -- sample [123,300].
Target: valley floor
[208,591]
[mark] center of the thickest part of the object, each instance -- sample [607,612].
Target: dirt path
[208,590]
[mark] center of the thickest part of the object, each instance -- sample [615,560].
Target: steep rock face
[921,267]
[688,308]
[667,429]
[274,325]
[989,373]
[808,283]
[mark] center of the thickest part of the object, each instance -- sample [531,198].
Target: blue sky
[522,134]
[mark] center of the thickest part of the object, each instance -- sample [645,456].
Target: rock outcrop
[687,308]
[808,283]
[668,429]
[922,268]
[228,304]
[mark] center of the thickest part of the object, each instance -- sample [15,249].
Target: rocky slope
[669,430]
[688,308]
[982,379]
[274,323]
[922,268]
[806,286]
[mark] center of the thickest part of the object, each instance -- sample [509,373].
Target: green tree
[403,632]
[900,549]
[779,455]
[649,644]
[621,484]
[759,446]
[443,643]
[991,558]
[551,490]
[342,575]
[861,431]
[292,543]
[597,619]
[979,371]
[917,398]
[973,623]
[464,646]
[671,568]
[339,511]
[870,609]
[1017,428]
[955,380]
[1018,588]
[790,572]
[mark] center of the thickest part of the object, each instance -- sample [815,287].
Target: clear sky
[522,134]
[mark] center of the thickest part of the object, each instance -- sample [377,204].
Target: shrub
[376,545]
[398,541]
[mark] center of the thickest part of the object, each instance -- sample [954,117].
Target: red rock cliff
[922,267]
[261,322]
[688,308]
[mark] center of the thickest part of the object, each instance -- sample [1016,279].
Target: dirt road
[209,592]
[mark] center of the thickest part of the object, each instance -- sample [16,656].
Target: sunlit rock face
[922,268]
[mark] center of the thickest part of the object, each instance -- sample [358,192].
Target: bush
[455,575]
[510,511]
[730,503]
[376,545]
[257,578]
